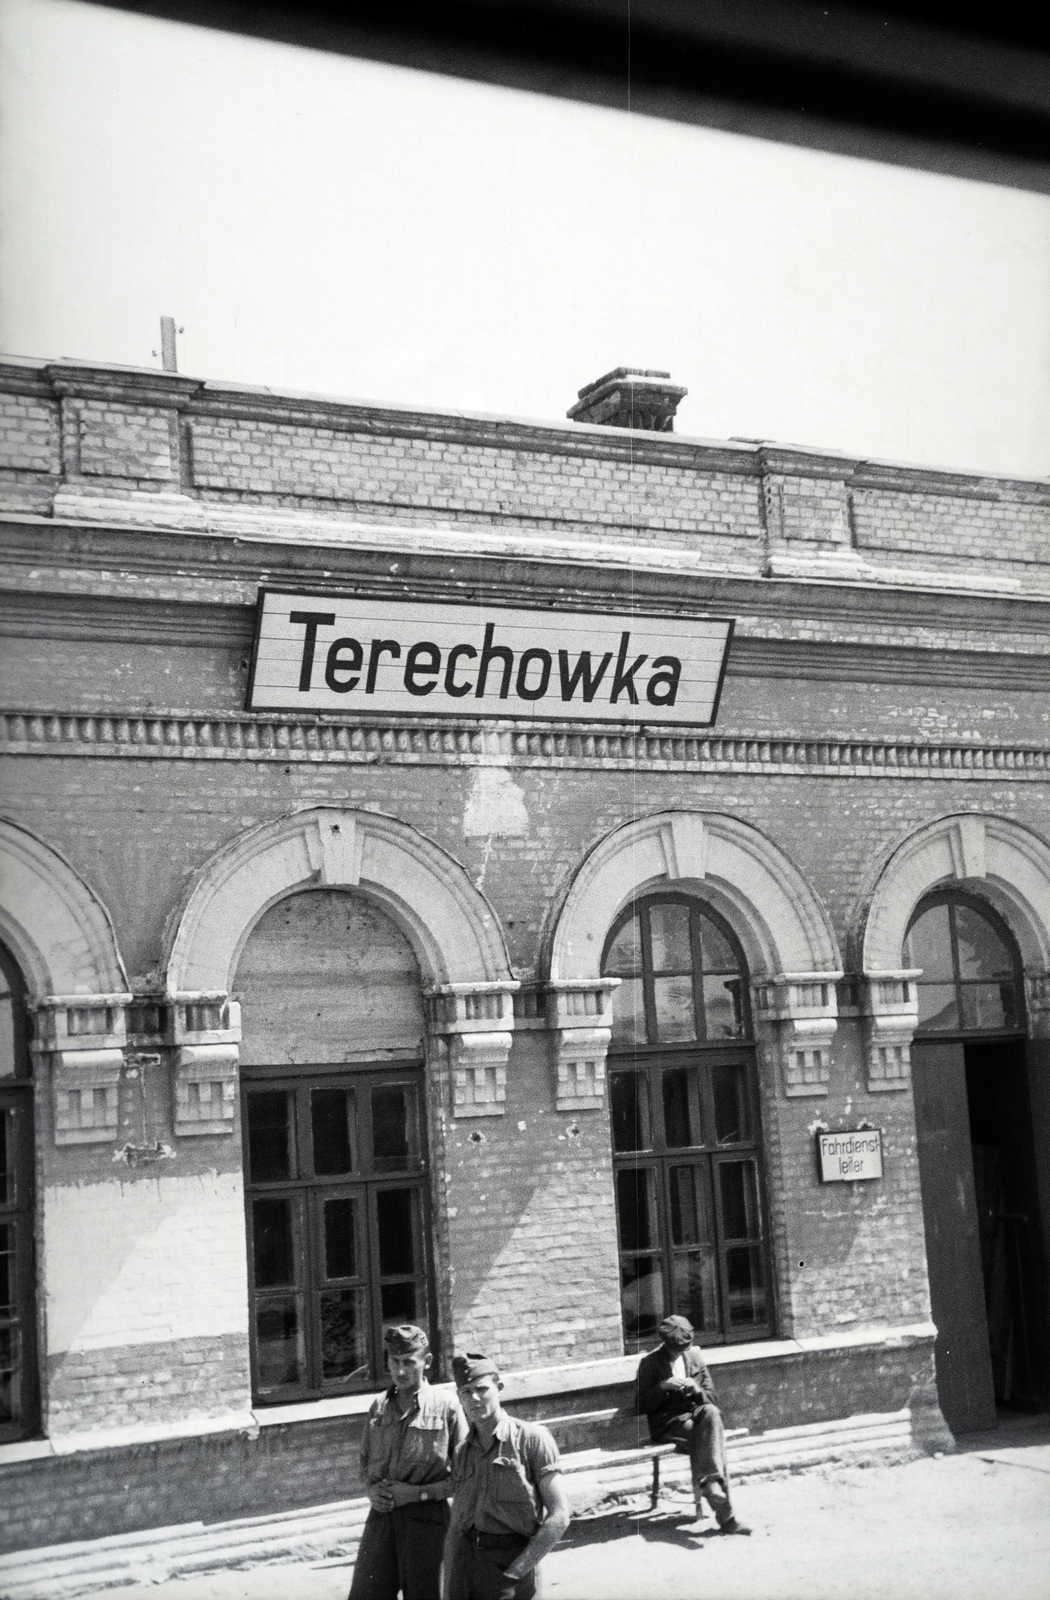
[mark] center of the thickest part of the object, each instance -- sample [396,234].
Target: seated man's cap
[676,1328]
[406,1340]
[465,1369]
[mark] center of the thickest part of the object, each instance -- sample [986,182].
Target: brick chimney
[630,397]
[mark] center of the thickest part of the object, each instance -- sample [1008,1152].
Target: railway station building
[522,878]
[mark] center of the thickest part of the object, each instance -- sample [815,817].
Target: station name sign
[850,1156]
[341,653]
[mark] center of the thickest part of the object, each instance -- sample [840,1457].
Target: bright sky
[327,224]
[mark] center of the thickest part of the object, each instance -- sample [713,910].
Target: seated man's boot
[718,1499]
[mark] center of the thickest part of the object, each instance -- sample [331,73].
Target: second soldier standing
[509,1506]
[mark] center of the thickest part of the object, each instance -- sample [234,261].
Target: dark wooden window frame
[308,1191]
[18,1215]
[702,1057]
[953,898]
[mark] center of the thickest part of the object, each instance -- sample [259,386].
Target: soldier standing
[509,1507]
[409,1441]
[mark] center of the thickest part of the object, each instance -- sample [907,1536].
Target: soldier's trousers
[401,1550]
[476,1568]
[701,1434]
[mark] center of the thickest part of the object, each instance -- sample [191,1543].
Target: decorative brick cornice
[289,738]
[891,1014]
[802,1009]
[579,1017]
[1038,986]
[473,1023]
[753,655]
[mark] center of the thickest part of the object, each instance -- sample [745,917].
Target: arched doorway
[977,1160]
[334,1143]
[685,1127]
[19,1398]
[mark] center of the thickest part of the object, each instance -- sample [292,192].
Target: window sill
[343,1405]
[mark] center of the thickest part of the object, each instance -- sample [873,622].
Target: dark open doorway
[977,1148]
[1013,1263]
[982,1119]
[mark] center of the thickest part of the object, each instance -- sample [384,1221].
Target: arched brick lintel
[993,857]
[455,933]
[781,922]
[55,926]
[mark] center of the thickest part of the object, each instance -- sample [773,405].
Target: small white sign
[340,653]
[851,1156]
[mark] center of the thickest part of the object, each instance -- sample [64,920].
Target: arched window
[18,1378]
[685,1125]
[971,974]
[335,1144]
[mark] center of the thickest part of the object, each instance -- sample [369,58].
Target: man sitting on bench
[676,1394]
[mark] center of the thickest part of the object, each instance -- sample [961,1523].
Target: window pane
[10,1385]
[669,928]
[982,953]
[7,1153]
[340,1243]
[747,1295]
[690,1223]
[625,953]
[636,1208]
[279,1342]
[390,1132]
[723,1006]
[398,1304]
[8,1276]
[739,1199]
[988,1005]
[332,1120]
[928,946]
[7,1037]
[269,1135]
[628,1018]
[396,1245]
[274,1254]
[678,1126]
[642,1297]
[716,953]
[696,1288]
[729,1091]
[629,1100]
[344,1348]
[675,1016]
[937,1006]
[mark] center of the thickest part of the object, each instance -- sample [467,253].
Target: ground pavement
[970,1526]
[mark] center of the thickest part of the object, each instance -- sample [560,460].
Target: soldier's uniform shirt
[498,1490]
[417,1448]
[401,1550]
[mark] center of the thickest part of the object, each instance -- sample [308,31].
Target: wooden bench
[598,1460]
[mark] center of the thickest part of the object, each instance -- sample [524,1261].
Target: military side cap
[466,1369]
[675,1328]
[406,1340]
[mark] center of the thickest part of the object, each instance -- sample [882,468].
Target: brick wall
[146,1299]
[532,1231]
[153,431]
[29,434]
[450,479]
[947,531]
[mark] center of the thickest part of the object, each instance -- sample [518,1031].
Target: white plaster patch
[495,807]
[145,1261]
